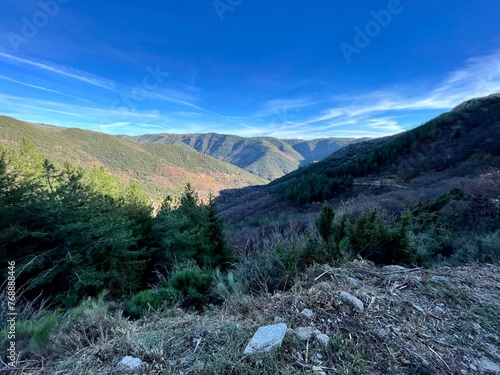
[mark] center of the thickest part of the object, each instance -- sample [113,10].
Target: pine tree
[219,255]
[324,223]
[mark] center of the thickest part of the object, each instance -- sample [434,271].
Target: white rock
[352,301]
[355,283]
[130,363]
[323,339]
[266,339]
[305,333]
[307,313]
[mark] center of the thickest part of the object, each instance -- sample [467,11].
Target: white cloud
[479,76]
[40,88]
[64,71]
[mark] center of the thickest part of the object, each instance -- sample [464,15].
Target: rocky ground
[358,319]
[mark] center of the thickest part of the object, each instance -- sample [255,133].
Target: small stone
[130,363]
[307,313]
[278,319]
[323,339]
[352,301]
[438,278]
[305,333]
[266,339]
[355,283]
[393,268]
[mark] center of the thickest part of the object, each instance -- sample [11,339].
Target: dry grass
[409,326]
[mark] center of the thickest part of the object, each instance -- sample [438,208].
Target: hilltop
[160,169]
[267,157]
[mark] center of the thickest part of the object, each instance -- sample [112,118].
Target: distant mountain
[267,157]
[159,168]
[458,149]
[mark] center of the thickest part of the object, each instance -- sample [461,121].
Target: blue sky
[253,68]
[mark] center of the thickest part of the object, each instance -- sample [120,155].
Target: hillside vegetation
[366,273]
[160,169]
[469,131]
[266,157]
[439,321]
[445,174]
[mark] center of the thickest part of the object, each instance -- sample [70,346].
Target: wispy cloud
[277,107]
[171,99]
[377,113]
[382,111]
[41,88]
[63,70]
[51,110]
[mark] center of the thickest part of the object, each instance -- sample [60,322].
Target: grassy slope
[159,168]
[410,325]
[267,157]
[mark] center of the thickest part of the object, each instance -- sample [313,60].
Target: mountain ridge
[160,169]
[267,157]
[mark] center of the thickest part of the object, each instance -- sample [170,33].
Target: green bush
[262,272]
[332,229]
[225,284]
[382,243]
[191,283]
[148,300]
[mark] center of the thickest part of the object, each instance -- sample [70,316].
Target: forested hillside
[266,157]
[157,168]
[440,180]
[469,132]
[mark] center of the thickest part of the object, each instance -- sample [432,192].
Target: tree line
[74,232]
